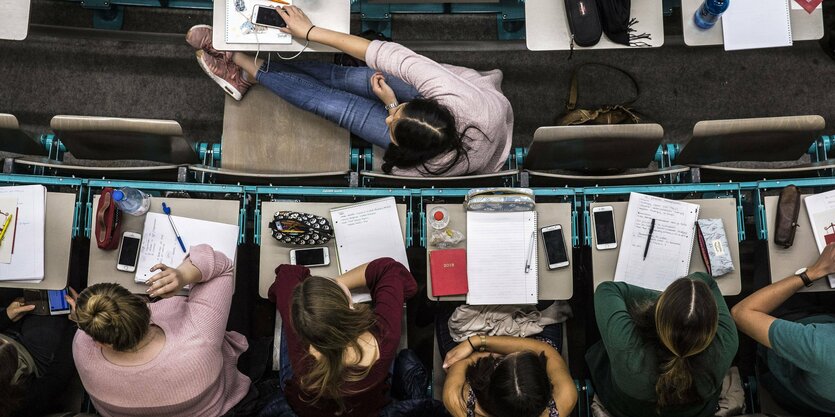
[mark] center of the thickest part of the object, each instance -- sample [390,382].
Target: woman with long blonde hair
[661,354]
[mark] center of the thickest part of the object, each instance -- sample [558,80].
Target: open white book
[821,211]
[670,247]
[25,239]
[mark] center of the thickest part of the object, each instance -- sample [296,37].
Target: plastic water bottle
[710,11]
[132,201]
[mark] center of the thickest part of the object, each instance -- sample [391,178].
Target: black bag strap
[573,92]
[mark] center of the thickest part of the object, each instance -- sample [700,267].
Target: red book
[449,271]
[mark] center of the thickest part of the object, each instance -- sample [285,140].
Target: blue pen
[167,210]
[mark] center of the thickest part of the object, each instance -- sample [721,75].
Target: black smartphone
[268,16]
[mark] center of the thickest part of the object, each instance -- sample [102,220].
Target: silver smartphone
[554,246]
[604,228]
[129,252]
[310,257]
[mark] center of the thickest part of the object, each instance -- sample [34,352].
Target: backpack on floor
[604,115]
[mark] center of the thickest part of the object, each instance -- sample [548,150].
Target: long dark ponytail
[424,130]
[516,385]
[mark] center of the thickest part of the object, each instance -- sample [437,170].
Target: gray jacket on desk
[474,98]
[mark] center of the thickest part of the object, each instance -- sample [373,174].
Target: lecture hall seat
[591,155]
[266,140]
[16,142]
[760,148]
[113,141]
[374,177]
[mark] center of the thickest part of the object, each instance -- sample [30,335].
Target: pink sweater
[474,98]
[195,374]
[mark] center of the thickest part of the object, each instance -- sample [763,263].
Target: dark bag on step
[788,208]
[604,115]
[584,22]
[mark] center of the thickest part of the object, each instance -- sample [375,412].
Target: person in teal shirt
[801,355]
[661,354]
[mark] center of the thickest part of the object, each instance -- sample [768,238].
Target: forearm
[767,299]
[505,345]
[354,278]
[350,44]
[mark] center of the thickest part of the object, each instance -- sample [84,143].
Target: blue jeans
[340,94]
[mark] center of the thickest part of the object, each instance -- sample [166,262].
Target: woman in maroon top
[341,353]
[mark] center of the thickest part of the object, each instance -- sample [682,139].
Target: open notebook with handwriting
[498,244]
[671,245]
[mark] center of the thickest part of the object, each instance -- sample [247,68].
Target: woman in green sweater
[662,354]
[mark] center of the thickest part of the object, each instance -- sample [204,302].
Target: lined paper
[751,24]
[497,251]
[670,248]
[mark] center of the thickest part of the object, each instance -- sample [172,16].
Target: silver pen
[530,252]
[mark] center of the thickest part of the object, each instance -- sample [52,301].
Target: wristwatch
[802,274]
[392,105]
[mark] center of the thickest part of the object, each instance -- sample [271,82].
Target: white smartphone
[604,227]
[129,252]
[267,16]
[310,257]
[554,246]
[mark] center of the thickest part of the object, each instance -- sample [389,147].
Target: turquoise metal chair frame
[157,188]
[346,195]
[719,190]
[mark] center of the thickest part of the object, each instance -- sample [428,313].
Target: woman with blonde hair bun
[661,354]
[170,358]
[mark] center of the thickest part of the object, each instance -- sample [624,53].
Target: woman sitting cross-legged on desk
[339,353]
[432,119]
[661,354]
[172,358]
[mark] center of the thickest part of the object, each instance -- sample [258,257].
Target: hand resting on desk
[169,281]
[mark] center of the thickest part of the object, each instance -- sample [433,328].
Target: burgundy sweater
[390,284]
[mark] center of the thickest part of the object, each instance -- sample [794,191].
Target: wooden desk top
[57,245]
[547,29]
[274,254]
[783,262]
[604,262]
[102,266]
[553,285]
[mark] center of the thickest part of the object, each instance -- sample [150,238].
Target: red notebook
[449,271]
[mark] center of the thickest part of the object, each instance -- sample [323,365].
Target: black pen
[649,237]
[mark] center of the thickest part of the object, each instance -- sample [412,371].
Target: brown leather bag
[788,208]
[605,115]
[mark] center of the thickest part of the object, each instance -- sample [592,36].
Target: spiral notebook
[671,245]
[498,245]
[751,24]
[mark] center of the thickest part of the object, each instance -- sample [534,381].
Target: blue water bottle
[132,201]
[710,11]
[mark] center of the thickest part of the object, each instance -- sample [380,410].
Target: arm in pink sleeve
[430,78]
[390,284]
[210,300]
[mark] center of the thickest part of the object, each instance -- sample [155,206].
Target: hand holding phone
[268,16]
